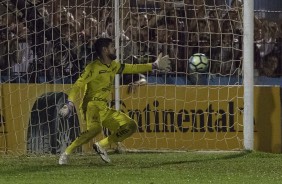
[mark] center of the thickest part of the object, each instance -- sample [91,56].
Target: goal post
[248,74]
[117,45]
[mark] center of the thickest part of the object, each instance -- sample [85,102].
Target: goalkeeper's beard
[112,56]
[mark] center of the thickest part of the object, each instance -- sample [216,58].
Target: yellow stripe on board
[168,117]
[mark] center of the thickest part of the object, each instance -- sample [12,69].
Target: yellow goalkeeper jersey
[97,79]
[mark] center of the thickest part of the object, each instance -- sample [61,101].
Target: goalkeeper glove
[162,63]
[66,110]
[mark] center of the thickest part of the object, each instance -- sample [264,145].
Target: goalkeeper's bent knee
[125,131]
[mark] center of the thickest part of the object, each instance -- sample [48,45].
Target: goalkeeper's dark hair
[100,43]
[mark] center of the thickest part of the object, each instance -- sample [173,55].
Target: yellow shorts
[99,114]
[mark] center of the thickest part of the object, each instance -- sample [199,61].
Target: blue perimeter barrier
[213,80]
[200,79]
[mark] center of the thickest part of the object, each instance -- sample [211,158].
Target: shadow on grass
[94,162]
[219,156]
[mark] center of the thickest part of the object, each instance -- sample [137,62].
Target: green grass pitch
[147,168]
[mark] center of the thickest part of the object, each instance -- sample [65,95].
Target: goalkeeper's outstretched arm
[162,63]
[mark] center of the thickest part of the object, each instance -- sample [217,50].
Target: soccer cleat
[63,159]
[103,154]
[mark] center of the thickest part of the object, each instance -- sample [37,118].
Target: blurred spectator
[9,46]
[88,36]
[25,53]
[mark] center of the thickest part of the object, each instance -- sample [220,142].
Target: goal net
[45,45]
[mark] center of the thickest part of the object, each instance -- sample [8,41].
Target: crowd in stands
[176,29]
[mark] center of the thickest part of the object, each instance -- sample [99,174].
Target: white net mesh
[46,44]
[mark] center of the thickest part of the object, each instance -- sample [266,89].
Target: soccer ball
[198,63]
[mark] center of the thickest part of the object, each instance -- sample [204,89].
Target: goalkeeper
[97,80]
